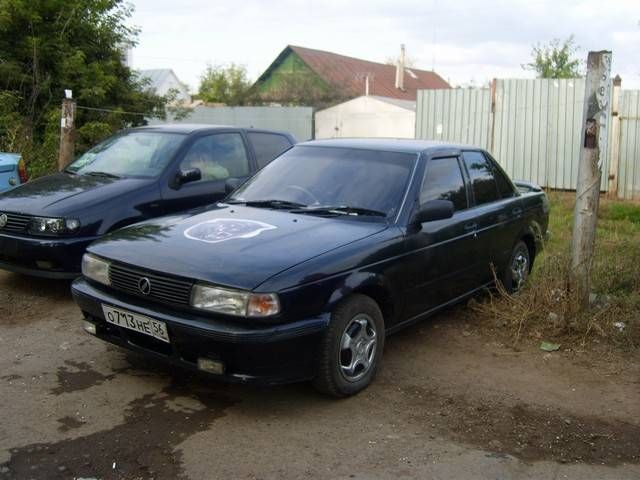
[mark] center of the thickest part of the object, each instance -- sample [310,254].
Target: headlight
[53,226]
[96,268]
[234,302]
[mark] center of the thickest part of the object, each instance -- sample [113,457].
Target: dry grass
[544,309]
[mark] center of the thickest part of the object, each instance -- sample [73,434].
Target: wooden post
[614,159]
[492,139]
[594,147]
[67,132]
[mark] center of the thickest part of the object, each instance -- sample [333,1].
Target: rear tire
[351,348]
[517,270]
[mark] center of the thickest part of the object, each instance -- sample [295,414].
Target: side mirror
[231,184]
[434,210]
[187,176]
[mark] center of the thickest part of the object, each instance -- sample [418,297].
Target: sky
[467,42]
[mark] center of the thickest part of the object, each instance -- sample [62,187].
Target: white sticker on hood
[223,229]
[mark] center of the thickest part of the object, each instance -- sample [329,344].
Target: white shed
[367,116]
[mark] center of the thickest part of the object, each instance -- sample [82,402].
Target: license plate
[138,323]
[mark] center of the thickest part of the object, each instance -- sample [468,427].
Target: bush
[545,309]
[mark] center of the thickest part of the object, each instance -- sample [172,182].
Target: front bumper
[265,354]
[43,257]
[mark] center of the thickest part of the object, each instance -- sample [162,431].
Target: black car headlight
[234,302]
[53,226]
[96,268]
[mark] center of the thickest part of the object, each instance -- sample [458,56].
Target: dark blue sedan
[303,271]
[142,173]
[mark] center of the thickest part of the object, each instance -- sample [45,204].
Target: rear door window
[267,146]
[483,182]
[505,187]
[444,181]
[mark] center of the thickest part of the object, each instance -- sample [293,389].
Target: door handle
[516,212]
[471,226]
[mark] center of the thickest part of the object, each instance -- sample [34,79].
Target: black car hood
[63,193]
[234,245]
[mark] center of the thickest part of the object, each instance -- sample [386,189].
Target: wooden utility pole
[67,131]
[594,147]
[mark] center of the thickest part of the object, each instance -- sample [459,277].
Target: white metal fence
[629,142]
[296,120]
[533,128]
[462,115]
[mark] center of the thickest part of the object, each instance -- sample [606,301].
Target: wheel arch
[532,237]
[374,286]
[530,242]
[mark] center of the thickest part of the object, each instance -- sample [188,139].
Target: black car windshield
[134,153]
[333,177]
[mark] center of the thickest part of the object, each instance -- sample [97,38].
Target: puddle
[75,376]
[140,447]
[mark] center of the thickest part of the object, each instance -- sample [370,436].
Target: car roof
[390,145]
[188,128]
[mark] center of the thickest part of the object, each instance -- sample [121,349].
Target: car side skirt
[422,316]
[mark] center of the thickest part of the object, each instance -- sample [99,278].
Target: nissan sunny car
[303,271]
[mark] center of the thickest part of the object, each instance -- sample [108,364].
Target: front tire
[351,348]
[517,271]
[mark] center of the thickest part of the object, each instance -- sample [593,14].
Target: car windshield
[135,154]
[349,181]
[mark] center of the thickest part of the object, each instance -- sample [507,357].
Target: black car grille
[16,222]
[163,288]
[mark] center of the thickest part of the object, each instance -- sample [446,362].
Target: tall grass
[545,309]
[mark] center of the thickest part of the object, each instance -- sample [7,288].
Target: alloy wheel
[357,348]
[519,270]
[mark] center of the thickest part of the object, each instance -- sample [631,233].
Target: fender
[372,284]
[124,223]
[532,230]
[535,229]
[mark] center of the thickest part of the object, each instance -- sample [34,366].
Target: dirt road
[450,402]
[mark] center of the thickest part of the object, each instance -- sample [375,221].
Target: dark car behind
[142,173]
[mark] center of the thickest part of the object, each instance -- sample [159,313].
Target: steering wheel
[305,192]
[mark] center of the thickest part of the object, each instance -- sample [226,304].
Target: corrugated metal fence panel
[536,126]
[538,130]
[629,163]
[460,115]
[296,120]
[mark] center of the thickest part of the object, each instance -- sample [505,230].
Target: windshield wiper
[342,210]
[102,174]
[272,203]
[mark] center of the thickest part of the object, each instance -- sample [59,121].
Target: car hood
[233,246]
[62,193]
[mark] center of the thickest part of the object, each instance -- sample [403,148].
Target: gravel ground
[449,402]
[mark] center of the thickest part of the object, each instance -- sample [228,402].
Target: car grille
[163,288]
[15,222]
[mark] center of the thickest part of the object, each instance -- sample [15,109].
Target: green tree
[47,46]
[556,59]
[224,84]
